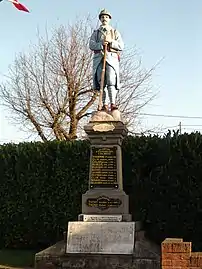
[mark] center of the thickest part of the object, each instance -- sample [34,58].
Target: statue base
[114,115]
[146,255]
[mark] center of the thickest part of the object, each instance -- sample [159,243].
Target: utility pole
[180,127]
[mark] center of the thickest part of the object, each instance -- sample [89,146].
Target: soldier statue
[107,36]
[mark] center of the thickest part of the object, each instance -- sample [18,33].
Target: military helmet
[104,12]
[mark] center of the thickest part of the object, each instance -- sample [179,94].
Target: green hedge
[40,190]
[41,186]
[164,181]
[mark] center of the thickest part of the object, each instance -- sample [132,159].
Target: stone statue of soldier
[106,35]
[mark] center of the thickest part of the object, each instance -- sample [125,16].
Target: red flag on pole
[18,5]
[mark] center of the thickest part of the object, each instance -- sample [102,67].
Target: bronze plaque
[104,168]
[103,202]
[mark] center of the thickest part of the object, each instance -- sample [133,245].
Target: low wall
[178,254]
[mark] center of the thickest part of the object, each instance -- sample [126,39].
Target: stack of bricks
[176,254]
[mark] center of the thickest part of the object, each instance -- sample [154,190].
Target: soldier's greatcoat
[112,57]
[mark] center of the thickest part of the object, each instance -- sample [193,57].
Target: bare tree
[136,87]
[49,89]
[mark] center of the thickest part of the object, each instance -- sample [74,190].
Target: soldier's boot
[105,108]
[113,107]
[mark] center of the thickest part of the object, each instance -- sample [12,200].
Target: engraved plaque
[101,237]
[103,202]
[104,168]
[102,218]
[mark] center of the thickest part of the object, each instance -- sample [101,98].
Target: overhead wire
[169,116]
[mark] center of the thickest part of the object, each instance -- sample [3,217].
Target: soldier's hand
[105,43]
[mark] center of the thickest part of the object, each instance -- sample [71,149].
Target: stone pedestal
[106,194]
[104,235]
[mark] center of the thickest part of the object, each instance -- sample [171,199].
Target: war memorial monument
[105,236]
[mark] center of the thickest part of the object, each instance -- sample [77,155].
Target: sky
[160,29]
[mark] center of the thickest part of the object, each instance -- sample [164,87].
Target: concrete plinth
[146,255]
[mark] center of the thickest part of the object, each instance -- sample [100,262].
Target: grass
[17,258]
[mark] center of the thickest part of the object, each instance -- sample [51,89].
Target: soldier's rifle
[102,77]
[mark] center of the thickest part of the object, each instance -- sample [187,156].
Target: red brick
[178,267]
[166,248]
[175,256]
[176,247]
[182,247]
[173,240]
[182,263]
[166,245]
[166,262]
[196,259]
